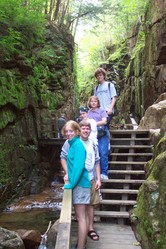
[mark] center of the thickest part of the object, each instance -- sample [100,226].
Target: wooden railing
[64,229]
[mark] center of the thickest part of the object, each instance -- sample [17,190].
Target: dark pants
[109,120]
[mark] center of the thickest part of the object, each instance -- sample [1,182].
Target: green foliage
[120,51]
[13,91]
[9,44]
[106,30]
[139,44]
[5,174]
[20,26]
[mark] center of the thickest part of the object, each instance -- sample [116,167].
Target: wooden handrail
[64,228]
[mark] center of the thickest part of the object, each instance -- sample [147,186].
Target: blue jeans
[103,153]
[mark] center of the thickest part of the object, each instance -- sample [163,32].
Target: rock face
[32,97]
[146,72]
[10,240]
[31,238]
[150,213]
[153,116]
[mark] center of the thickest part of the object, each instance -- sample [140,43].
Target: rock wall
[149,217]
[146,72]
[34,91]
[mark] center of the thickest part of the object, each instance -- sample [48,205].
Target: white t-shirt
[105,96]
[93,134]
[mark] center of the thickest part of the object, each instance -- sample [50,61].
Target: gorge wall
[34,91]
[140,74]
[146,72]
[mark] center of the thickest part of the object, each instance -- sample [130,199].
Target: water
[34,212]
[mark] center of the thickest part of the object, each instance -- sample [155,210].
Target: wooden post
[64,229]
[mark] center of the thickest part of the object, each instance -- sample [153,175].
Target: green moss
[5,174]
[151,211]
[12,90]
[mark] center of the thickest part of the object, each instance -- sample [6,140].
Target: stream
[34,212]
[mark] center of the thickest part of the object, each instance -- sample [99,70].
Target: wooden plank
[123,181]
[127,162]
[63,236]
[51,141]
[130,139]
[118,202]
[143,131]
[131,154]
[131,172]
[112,236]
[64,228]
[119,191]
[112,214]
[119,146]
[65,216]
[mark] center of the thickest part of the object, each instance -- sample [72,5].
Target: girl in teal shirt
[77,179]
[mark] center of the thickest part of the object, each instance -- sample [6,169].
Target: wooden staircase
[130,151]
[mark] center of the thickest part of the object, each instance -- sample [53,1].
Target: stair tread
[132,172]
[131,154]
[127,162]
[112,214]
[130,139]
[131,146]
[143,131]
[118,202]
[119,191]
[122,181]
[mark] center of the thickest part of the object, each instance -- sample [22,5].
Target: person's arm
[110,110]
[64,166]
[97,167]
[63,158]
[98,180]
[102,122]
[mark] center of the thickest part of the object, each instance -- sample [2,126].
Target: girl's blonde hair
[74,126]
[93,97]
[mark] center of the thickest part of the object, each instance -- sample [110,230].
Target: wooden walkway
[112,236]
[131,149]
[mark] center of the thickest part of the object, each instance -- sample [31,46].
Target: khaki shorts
[94,198]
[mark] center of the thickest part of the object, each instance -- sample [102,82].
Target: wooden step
[118,202]
[123,181]
[131,154]
[112,214]
[144,131]
[127,172]
[51,141]
[131,146]
[126,163]
[119,191]
[129,139]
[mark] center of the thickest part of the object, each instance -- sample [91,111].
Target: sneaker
[104,177]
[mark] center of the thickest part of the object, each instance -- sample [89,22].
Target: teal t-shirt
[77,173]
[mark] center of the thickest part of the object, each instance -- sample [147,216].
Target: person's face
[93,103]
[83,115]
[85,132]
[69,132]
[100,77]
